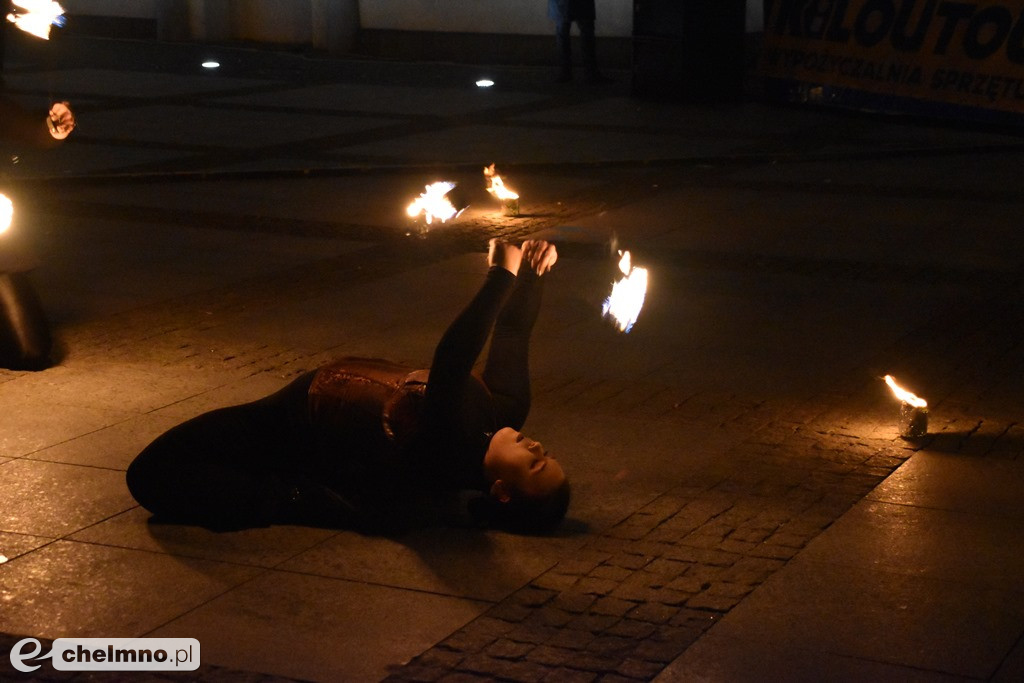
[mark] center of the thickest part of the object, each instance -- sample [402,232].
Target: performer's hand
[506,255]
[61,121]
[541,255]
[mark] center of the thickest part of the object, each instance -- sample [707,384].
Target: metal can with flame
[913,422]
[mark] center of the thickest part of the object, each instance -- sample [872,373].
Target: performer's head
[528,486]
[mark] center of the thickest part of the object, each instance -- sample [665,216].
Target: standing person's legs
[563,44]
[4,10]
[588,43]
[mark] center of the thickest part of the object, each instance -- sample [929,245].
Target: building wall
[526,17]
[334,23]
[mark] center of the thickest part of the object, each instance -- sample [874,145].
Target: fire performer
[25,340]
[376,446]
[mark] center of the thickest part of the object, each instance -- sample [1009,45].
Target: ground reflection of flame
[628,294]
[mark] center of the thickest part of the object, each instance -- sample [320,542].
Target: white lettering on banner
[110,654]
[975,30]
[967,53]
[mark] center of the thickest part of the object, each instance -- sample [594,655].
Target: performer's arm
[507,371]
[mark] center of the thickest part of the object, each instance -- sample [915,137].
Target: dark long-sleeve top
[381,427]
[20,128]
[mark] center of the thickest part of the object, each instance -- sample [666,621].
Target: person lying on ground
[378,446]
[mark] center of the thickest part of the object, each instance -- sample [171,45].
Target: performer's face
[522,464]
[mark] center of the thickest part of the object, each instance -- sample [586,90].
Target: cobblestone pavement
[637,595]
[631,594]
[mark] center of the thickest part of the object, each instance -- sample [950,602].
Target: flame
[904,395]
[36,16]
[434,203]
[628,293]
[6,213]
[496,186]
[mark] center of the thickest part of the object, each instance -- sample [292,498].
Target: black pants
[588,43]
[256,464]
[237,467]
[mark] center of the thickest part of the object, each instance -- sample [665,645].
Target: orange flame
[36,16]
[496,186]
[904,395]
[433,203]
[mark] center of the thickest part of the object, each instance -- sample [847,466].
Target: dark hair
[524,514]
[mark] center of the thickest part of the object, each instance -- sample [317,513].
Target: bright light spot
[211,65]
[434,203]
[36,16]
[6,213]
[628,294]
[2,559]
[904,395]
[484,83]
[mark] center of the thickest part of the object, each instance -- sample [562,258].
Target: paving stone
[509,611]
[665,648]
[533,633]
[574,601]
[573,639]
[609,645]
[655,613]
[551,655]
[526,671]
[508,649]
[439,658]
[710,601]
[566,675]
[467,641]
[596,586]
[632,628]
[639,669]
[532,597]
[612,606]
[549,616]
[611,572]
[593,623]
[591,662]
[555,581]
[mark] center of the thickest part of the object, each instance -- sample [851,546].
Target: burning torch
[25,341]
[913,421]
[496,186]
[36,17]
[436,202]
[624,304]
